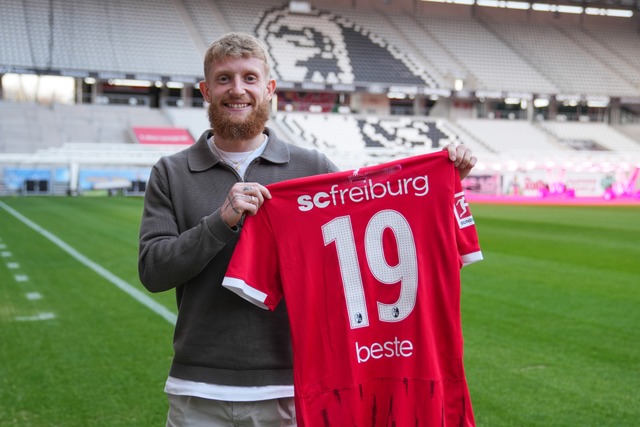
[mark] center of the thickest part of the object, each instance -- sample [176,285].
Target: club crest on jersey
[462,211]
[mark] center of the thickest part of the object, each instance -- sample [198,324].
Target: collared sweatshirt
[184,245]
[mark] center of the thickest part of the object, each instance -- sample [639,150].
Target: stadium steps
[563,62]
[552,138]
[406,44]
[194,119]
[601,133]
[622,42]
[14,36]
[374,27]
[616,63]
[510,137]
[630,130]
[531,78]
[193,32]
[429,47]
[467,138]
[207,18]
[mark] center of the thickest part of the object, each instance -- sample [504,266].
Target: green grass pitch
[551,317]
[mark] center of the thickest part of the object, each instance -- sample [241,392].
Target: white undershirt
[239,160]
[228,393]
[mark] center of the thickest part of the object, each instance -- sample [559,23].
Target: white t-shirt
[239,160]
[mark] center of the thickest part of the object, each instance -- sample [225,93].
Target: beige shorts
[188,411]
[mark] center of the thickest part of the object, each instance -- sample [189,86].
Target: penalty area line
[135,293]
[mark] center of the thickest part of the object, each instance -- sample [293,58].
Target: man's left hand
[462,158]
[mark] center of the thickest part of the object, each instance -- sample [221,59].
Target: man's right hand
[244,198]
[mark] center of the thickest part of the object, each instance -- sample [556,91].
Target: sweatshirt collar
[200,157]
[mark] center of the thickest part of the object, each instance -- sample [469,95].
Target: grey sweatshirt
[184,245]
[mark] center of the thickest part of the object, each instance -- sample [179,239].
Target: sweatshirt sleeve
[167,257]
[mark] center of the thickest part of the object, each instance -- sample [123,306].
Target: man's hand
[462,158]
[244,198]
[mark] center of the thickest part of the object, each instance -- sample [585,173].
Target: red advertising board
[162,135]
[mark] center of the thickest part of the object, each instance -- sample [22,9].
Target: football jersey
[368,262]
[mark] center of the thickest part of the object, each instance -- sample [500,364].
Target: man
[232,364]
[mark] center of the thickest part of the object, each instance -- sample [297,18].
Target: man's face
[239,93]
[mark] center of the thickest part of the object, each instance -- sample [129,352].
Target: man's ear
[204,89]
[271,89]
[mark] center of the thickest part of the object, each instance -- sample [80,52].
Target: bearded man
[233,361]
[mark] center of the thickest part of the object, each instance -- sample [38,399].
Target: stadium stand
[479,50]
[570,67]
[619,56]
[345,72]
[355,140]
[591,136]
[207,20]
[448,67]
[193,119]
[110,37]
[15,36]
[369,35]
[620,43]
[27,127]
[631,131]
[517,138]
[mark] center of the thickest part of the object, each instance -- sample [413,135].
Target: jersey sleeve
[253,270]
[466,233]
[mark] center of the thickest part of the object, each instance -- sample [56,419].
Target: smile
[238,105]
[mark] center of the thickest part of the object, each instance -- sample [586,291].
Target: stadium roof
[633,5]
[605,4]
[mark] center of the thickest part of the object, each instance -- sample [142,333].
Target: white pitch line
[139,296]
[39,316]
[32,296]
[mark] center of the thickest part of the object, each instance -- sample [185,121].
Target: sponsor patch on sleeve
[462,211]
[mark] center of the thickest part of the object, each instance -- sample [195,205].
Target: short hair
[236,45]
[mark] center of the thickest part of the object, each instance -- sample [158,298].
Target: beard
[238,130]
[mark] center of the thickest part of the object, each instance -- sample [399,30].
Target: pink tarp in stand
[162,135]
[562,200]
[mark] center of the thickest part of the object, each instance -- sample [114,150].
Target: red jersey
[369,264]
